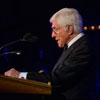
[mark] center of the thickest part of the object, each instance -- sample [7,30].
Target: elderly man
[69,77]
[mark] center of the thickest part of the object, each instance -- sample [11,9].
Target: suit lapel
[63,56]
[66,53]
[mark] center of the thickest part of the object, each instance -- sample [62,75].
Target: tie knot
[65,47]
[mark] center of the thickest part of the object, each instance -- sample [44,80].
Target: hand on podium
[12,73]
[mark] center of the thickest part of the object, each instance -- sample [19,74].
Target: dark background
[21,16]
[18,17]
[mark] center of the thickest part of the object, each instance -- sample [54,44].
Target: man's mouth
[58,41]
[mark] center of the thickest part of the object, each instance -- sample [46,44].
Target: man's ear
[70,29]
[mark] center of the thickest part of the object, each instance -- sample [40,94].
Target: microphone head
[27,36]
[30,38]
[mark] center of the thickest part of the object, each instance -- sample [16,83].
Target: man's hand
[12,73]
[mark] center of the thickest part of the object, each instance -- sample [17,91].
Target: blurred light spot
[85,27]
[92,27]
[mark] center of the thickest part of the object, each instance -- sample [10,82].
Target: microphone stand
[27,37]
[11,43]
[12,52]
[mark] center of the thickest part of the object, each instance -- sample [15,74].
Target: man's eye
[54,32]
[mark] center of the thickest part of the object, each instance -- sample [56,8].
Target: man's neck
[74,39]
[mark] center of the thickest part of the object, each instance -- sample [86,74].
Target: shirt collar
[75,39]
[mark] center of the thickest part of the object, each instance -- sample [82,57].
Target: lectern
[21,86]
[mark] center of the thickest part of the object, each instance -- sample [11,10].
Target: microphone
[28,37]
[12,52]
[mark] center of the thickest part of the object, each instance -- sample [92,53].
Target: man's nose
[52,35]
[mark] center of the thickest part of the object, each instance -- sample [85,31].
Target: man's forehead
[53,24]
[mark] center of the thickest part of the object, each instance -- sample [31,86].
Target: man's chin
[60,46]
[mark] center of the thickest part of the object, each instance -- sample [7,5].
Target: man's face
[60,34]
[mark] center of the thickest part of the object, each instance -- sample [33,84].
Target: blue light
[6,56]
[41,54]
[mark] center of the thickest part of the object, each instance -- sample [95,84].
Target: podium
[22,86]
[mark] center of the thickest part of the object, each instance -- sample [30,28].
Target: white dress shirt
[75,39]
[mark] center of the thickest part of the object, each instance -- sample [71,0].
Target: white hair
[69,16]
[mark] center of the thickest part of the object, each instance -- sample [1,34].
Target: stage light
[85,28]
[98,27]
[92,27]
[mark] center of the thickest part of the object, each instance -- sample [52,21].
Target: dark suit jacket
[69,78]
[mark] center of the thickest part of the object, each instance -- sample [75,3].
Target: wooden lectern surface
[15,85]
